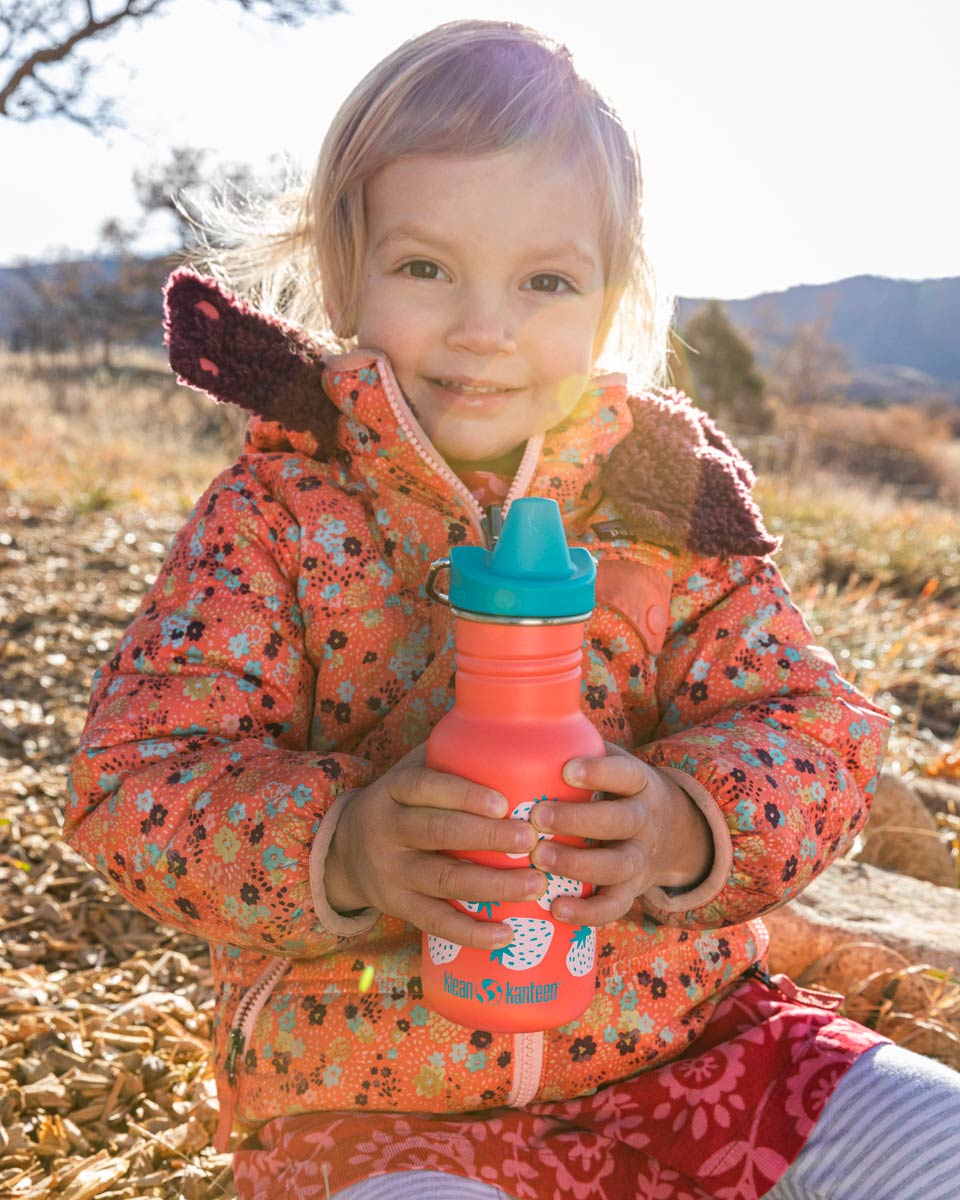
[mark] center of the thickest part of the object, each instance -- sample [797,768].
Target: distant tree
[124,293]
[34,314]
[726,382]
[89,305]
[43,71]
[181,185]
[113,298]
[808,367]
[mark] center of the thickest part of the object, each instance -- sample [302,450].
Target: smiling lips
[484,398]
[473,387]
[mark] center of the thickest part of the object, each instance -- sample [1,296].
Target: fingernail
[497,807]
[525,838]
[546,856]
[563,913]
[573,772]
[542,816]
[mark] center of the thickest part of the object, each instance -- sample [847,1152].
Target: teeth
[462,387]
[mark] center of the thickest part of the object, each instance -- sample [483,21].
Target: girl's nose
[481,325]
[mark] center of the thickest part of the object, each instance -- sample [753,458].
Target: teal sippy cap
[531,572]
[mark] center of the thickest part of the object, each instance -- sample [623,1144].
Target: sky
[782,143]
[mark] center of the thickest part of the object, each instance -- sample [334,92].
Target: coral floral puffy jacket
[288,653]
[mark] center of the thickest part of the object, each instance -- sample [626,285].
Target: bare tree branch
[186,183]
[46,55]
[44,35]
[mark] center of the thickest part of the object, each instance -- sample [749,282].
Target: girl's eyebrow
[412,233]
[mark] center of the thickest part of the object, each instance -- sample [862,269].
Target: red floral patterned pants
[726,1119]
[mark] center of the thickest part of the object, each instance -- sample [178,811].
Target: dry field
[105,1017]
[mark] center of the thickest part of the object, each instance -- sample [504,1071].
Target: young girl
[252,770]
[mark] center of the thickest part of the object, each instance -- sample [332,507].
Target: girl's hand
[654,835]
[388,852]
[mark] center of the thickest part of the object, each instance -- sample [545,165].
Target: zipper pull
[492,524]
[234,1048]
[814,997]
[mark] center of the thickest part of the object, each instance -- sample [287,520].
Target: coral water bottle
[520,612]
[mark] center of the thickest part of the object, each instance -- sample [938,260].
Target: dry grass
[906,445]
[82,442]
[844,531]
[916,1005]
[879,583]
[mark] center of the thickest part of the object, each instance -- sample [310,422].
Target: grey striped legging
[890,1131]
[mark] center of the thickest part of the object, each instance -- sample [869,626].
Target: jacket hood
[673,477]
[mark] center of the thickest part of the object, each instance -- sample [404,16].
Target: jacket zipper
[241,1028]
[411,427]
[527,1047]
[527,1068]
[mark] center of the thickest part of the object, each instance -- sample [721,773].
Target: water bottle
[520,612]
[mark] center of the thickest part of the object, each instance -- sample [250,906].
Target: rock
[869,934]
[854,903]
[901,835]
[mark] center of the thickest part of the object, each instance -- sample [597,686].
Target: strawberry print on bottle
[478,906]
[441,951]
[583,950]
[531,941]
[559,885]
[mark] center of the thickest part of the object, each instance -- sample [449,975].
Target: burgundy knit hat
[675,478]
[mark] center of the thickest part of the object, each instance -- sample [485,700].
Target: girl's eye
[549,283]
[422,268]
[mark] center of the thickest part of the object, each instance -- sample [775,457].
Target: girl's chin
[500,463]
[469,449]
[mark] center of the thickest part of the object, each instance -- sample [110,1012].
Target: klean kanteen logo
[490,991]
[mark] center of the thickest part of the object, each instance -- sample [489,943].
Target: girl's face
[483,286]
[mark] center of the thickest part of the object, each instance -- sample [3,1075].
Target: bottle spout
[532,544]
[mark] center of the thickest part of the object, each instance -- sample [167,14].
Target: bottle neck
[529,672]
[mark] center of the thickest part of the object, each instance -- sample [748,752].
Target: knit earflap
[678,481]
[222,345]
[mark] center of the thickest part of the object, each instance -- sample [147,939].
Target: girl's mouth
[463,398]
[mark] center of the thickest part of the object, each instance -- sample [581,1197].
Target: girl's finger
[443,829]
[459,879]
[608,904]
[621,863]
[621,773]
[602,820]
[444,921]
[419,786]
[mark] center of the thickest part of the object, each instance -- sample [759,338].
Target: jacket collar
[382,444]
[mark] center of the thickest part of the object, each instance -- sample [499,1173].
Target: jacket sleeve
[757,725]
[193,789]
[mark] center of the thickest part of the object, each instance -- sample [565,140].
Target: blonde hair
[465,87]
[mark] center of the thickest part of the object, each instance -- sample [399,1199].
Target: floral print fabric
[722,1122]
[288,653]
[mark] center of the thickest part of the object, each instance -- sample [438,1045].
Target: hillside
[898,335]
